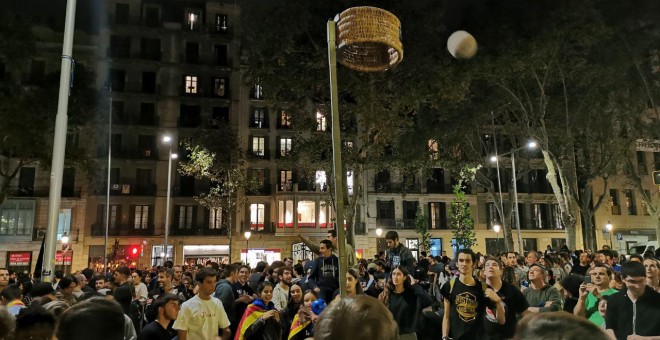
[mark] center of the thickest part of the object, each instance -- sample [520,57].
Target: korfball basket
[369,39]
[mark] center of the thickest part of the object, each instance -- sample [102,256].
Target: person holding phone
[405,300]
[596,285]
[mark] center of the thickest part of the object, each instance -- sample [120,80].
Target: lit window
[185,217]
[321,121]
[220,22]
[285,119]
[258,118]
[258,91]
[325,215]
[286,183]
[433,149]
[321,180]
[285,147]
[215,219]
[141,217]
[193,21]
[306,214]
[285,218]
[257,214]
[349,182]
[259,146]
[191,84]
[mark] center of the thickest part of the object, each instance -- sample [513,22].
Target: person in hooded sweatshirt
[325,272]
[225,292]
[398,254]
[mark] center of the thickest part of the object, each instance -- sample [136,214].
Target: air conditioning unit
[116,187]
[400,225]
[125,188]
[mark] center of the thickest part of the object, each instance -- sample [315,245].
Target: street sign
[619,237]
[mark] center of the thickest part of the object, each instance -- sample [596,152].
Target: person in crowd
[165,285]
[512,262]
[652,277]
[26,290]
[540,296]
[124,291]
[513,303]
[302,325]
[11,299]
[634,312]
[100,285]
[288,262]
[42,292]
[509,275]
[59,274]
[616,281]
[378,286]
[7,325]
[261,319]
[571,285]
[591,293]
[405,300]
[34,322]
[397,253]
[358,317]
[353,286]
[583,265]
[141,292]
[465,301]
[201,317]
[258,276]
[167,307]
[188,286]
[557,325]
[57,308]
[81,288]
[243,293]
[65,292]
[177,277]
[532,258]
[95,318]
[325,272]
[281,291]
[636,258]
[288,314]
[225,292]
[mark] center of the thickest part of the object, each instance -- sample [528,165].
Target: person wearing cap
[123,293]
[540,296]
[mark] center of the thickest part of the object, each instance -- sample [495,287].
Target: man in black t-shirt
[513,301]
[465,302]
[167,306]
[635,310]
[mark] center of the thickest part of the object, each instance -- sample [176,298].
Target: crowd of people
[557,294]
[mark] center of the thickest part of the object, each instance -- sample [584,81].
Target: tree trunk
[563,199]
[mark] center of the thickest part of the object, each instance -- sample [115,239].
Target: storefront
[200,254]
[63,260]
[19,261]
[254,256]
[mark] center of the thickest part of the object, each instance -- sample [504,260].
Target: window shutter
[175,217]
[207,218]
[194,217]
[100,211]
[267,217]
[131,221]
[150,220]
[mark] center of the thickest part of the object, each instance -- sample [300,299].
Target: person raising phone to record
[596,285]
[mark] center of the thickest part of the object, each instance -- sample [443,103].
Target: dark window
[146,146]
[142,181]
[117,80]
[68,182]
[492,215]
[192,52]
[436,184]
[152,16]
[117,112]
[26,181]
[385,209]
[438,215]
[37,71]
[530,244]
[220,55]
[221,23]
[189,116]
[630,202]
[220,115]
[259,118]
[147,114]
[656,160]
[220,87]
[495,245]
[150,49]
[614,198]
[116,144]
[121,13]
[149,82]
[410,209]
[187,186]
[2,69]
[120,47]
[641,163]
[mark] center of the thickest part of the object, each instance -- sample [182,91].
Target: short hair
[327,244]
[98,316]
[633,269]
[608,269]
[59,274]
[138,273]
[606,252]
[571,284]
[392,235]
[496,260]
[281,270]
[636,256]
[536,254]
[244,266]
[358,317]
[11,292]
[6,323]
[164,299]
[168,272]
[35,322]
[261,266]
[65,282]
[229,269]
[168,264]
[332,232]
[557,325]
[469,252]
[204,273]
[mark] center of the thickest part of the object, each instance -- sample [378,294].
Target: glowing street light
[379,231]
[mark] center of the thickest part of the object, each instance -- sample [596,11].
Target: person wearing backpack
[465,302]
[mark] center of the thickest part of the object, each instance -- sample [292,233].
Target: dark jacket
[286,317]
[225,292]
[401,256]
[263,329]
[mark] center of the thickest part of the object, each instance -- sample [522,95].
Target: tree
[422,228]
[462,224]
[215,156]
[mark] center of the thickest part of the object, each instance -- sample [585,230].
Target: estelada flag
[297,326]
[253,312]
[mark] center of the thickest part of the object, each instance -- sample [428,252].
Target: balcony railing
[385,187]
[391,223]
[255,228]
[199,230]
[433,187]
[31,191]
[98,229]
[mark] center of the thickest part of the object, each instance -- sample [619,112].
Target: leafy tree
[422,228]
[462,224]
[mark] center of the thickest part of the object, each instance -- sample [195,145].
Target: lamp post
[168,140]
[608,227]
[495,159]
[496,229]
[65,246]
[247,235]
[379,232]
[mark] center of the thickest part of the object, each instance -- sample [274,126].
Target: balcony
[31,191]
[391,223]
[98,229]
[259,154]
[267,228]
[265,190]
[389,187]
[126,188]
[433,187]
[199,230]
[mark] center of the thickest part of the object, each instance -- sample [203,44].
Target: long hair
[385,295]
[358,287]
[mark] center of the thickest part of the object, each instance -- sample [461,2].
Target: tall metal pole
[499,183]
[107,199]
[167,201]
[336,157]
[59,144]
[515,192]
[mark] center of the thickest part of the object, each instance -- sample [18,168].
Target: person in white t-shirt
[141,292]
[202,316]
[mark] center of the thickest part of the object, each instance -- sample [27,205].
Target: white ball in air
[462,45]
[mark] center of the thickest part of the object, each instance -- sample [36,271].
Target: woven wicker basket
[369,39]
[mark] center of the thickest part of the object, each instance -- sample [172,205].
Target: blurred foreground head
[557,326]
[95,318]
[359,317]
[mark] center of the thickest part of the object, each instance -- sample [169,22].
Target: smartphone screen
[587,279]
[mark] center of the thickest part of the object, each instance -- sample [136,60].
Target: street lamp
[496,229]
[168,140]
[379,232]
[247,235]
[495,159]
[608,227]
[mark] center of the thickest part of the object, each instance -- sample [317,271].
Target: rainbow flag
[297,326]
[252,314]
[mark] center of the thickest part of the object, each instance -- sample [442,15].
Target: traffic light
[134,251]
[656,177]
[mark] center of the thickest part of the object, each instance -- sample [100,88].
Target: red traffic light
[134,251]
